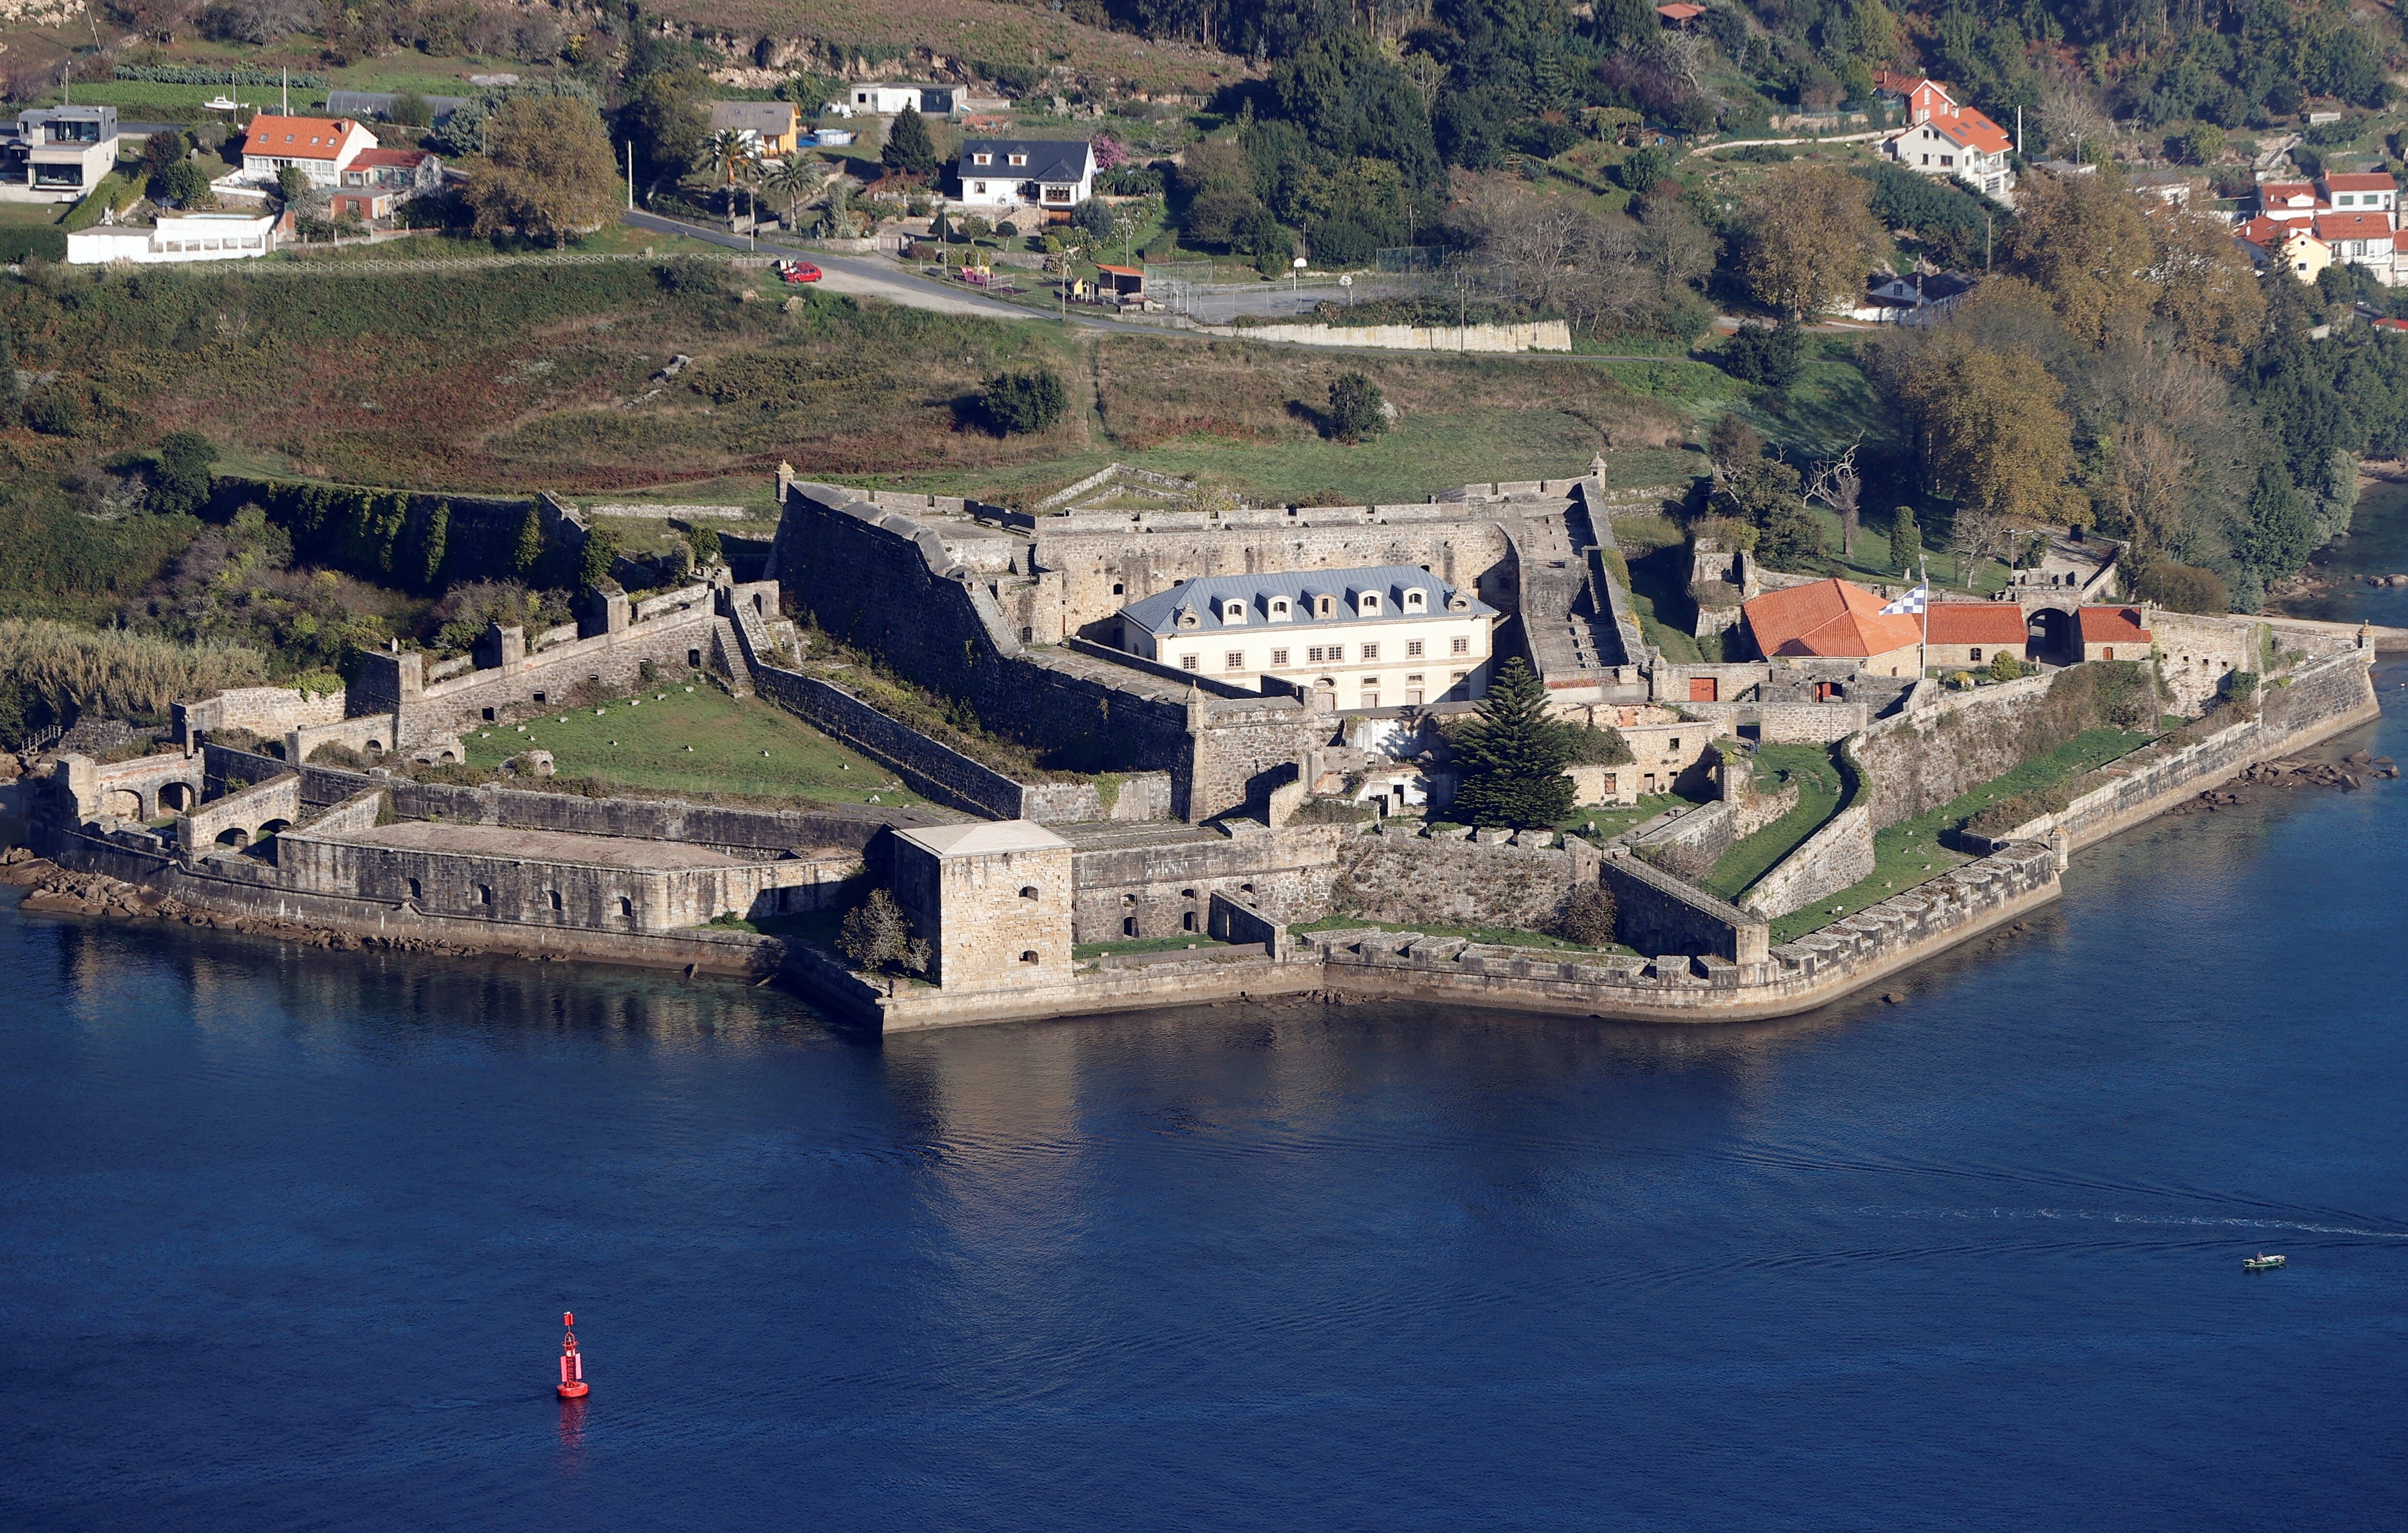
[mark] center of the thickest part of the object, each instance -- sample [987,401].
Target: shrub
[55,411]
[876,935]
[1094,217]
[2183,588]
[1020,403]
[1712,594]
[2021,809]
[1592,746]
[179,476]
[1639,173]
[1588,917]
[2004,666]
[1769,357]
[1356,408]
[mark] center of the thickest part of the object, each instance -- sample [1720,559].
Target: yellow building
[772,126]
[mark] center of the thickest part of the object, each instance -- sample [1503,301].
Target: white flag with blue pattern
[1914,601]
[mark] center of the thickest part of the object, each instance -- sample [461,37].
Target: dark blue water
[283,1235]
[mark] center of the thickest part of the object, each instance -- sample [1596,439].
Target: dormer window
[1367,605]
[1233,611]
[1458,603]
[1019,159]
[1278,607]
[1325,607]
[981,158]
[1187,618]
[1417,600]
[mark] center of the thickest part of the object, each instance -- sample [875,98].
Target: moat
[286,1231]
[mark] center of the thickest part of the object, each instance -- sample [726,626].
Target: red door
[1702,689]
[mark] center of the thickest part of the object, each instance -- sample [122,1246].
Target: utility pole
[631,175]
[1985,244]
[287,91]
[2019,130]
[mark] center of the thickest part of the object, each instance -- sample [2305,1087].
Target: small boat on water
[220,103]
[2260,1263]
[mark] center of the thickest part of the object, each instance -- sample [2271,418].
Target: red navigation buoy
[572,1362]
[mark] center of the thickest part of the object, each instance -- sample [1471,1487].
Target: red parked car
[797,271]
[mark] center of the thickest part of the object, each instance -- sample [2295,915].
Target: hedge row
[185,73]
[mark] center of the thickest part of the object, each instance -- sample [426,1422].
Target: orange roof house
[1971,633]
[1832,620]
[321,147]
[1680,13]
[2111,633]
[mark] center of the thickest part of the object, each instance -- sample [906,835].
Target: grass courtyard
[689,735]
[1911,852]
[1816,773]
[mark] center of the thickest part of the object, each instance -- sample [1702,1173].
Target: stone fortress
[1185,817]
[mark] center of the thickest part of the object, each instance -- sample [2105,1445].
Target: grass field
[1910,852]
[1812,768]
[699,741]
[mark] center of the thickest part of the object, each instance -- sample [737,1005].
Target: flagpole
[1923,649]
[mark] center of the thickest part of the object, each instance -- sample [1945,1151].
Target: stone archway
[234,836]
[274,827]
[175,797]
[2049,632]
[121,803]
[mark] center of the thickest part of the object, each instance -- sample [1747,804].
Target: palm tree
[728,152]
[790,181]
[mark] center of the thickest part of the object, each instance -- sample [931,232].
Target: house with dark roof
[1383,635]
[1053,174]
[61,150]
[770,127]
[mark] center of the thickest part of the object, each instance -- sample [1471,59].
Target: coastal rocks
[2386,579]
[2351,772]
[60,891]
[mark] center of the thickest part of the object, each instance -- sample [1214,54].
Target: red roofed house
[378,180]
[1943,138]
[1967,633]
[318,147]
[1832,620]
[2361,192]
[1680,13]
[2111,633]
[2362,239]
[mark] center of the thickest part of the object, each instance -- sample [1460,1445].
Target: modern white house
[175,238]
[1388,636]
[1054,174]
[321,147]
[885,100]
[60,152]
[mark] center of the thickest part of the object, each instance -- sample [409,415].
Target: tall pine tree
[1512,756]
[1905,540]
[908,149]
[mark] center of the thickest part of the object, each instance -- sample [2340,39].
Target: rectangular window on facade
[1413,649]
[1186,662]
[1316,655]
[1370,651]
[1371,699]
[1237,660]
[1462,645]
[1279,658]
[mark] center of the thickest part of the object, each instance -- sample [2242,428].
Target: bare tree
[1837,483]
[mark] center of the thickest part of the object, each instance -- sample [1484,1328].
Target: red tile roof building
[2111,633]
[1967,633]
[1943,138]
[2352,214]
[1833,619]
[318,147]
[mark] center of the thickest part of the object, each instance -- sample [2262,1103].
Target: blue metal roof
[1158,614]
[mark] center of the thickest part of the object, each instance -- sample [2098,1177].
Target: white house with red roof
[1944,138]
[2353,216]
[321,147]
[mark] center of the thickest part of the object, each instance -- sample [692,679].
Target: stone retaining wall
[1459,883]
[1540,335]
[1837,856]
[262,711]
[1656,911]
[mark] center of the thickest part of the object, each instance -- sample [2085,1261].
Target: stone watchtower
[993,900]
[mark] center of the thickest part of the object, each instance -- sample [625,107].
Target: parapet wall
[270,711]
[1837,856]
[1656,911]
[520,809]
[1540,335]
